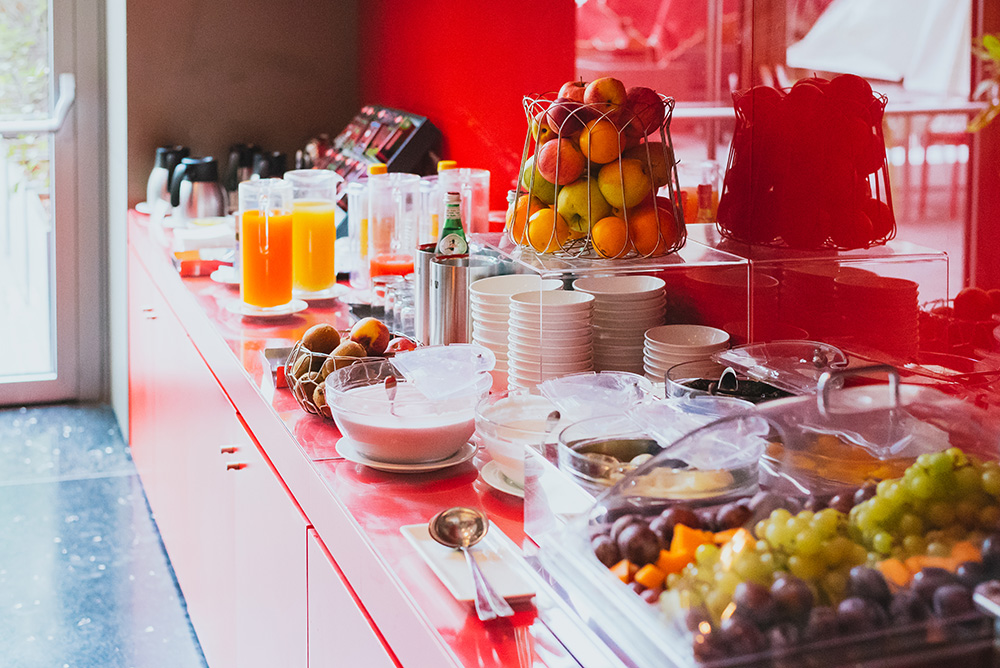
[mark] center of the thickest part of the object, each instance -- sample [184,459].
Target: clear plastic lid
[440,372]
[584,395]
[793,366]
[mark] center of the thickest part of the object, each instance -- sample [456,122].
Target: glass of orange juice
[314,232]
[266,245]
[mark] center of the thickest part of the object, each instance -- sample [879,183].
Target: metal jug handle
[831,378]
[175,184]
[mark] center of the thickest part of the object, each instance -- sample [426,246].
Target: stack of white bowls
[550,336]
[490,299]
[624,308]
[668,345]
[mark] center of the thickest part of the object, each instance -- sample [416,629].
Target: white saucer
[493,477]
[336,291]
[248,311]
[226,275]
[346,449]
[144,207]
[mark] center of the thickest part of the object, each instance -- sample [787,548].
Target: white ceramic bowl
[644,324]
[623,288]
[554,300]
[528,329]
[629,308]
[687,336]
[490,316]
[580,354]
[551,341]
[489,336]
[498,289]
[507,425]
[490,307]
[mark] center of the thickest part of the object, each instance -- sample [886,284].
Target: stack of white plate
[674,344]
[490,299]
[624,308]
[550,336]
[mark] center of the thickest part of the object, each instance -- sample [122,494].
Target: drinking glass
[394,215]
[314,232]
[266,244]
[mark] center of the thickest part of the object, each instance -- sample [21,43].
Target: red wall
[466,66]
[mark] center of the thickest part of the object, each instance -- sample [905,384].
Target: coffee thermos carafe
[195,191]
[158,184]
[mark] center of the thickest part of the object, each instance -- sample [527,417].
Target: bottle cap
[444,165]
[377,168]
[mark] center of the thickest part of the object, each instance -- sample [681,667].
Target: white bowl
[507,425]
[624,288]
[555,300]
[643,324]
[489,336]
[566,355]
[629,308]
[705,351]
[687,336]
[498,289]
[547,323]
[551,341]
[490,316]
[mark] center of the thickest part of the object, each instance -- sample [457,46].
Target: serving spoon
[461,528]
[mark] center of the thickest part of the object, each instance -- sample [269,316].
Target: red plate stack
[879,312]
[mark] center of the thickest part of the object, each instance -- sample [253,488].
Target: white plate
[346,449]
[336,291]
[494,477]
[497,556]
[248,311]
[144,207]
[226,274]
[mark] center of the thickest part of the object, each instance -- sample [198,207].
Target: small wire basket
[306,371]
[807,174]
[609,166]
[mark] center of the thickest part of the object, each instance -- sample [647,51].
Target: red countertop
[356,510]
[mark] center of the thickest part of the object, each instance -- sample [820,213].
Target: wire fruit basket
[612,190]
[306,373]
[807,167]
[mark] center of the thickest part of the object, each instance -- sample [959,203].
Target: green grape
[780,516]
[776,534]
[882,487]
[807,568]
[837,550]
[795,526]
[808,542]
[924,461]
[753,566]
[940,463]
[988,518]
[716,602]
[882,542]
[727,582]
[967,481]
[863,521]
[760,528]
[806,516]
[762,547]
[990,480]
[938,549]
[914,545]
[966,512]
[910,525]
[879,509]
[921,486]
[858,556]
[706,555]
[826,522]
[834,585]
[941,514]
[958,457]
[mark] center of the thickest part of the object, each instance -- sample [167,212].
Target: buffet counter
[286,553]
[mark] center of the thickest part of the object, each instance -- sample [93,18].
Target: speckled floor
[84,580]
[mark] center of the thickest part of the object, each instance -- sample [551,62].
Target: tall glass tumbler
[474,186]
[266,244]
[314,232]
[393,221]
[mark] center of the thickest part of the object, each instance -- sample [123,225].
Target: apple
[541,132]
[652,230]
[625,182]
[600,141]
[566,117]
[535,184]
[573,90]
[606,95]
[851,87]
[581,204]
[560,162]
[518,215]
[644,111]
[660,159]
[973,304]
[400,345]
[372,335]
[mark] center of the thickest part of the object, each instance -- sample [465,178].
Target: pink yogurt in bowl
[411,429]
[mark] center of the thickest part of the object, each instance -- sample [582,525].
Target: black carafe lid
[201,169]
[169,156]
[270,165]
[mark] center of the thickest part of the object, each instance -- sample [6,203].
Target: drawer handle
[235,466]
[150,316]
[227,449]
[147,309]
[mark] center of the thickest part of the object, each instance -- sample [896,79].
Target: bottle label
[452,244]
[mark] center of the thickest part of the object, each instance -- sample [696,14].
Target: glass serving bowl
[411,428]
[507,423]
[708,377]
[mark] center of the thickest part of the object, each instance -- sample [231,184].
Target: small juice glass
[266,244]
[314,232]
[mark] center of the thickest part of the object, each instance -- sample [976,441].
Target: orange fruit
[517,217]
[610,237]
[600,142]
[649,236]
[547,231]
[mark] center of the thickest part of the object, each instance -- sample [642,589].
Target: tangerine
[547,231]
[517,217]
[649,235]
[610,237]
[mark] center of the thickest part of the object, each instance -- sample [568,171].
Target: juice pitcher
[266,244]
[314,232]
[393,222]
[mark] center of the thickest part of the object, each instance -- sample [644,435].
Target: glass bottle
[452,241]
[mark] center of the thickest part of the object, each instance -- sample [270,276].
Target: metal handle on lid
[825,380]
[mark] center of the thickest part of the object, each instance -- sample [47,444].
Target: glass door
[45,234]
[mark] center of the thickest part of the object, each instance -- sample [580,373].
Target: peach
[600,141]
[372,335]
[606,95]
[624,182]
[560,162]
[400,345]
